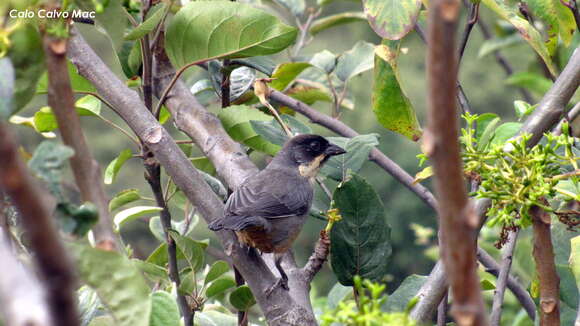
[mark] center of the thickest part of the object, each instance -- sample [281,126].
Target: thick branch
[457,218]
[502,278]
[280,308]
[86,170]
[318,257]
[546,268]
[430,295]
[553,104]
[50,257]
[22,297]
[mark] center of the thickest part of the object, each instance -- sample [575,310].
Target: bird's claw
[279,283]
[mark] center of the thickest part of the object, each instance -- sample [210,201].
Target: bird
[268,211]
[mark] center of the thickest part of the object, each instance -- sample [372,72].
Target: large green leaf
[322,24]
[216,270]
[48,163]
[357,153]
[272,131]
[164,311]
[236,121]
[219,286]
[391,106]
[6,88]
[558,20]
[355,61]
[133,213]
[27,57]
[192,250]
[118,283]
[361,240]
[216,29]
[399,300]
[575,257]
[392,19]
[509,12]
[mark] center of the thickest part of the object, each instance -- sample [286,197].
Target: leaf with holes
[223,29]
[361,240]
[391,105]
[392,19]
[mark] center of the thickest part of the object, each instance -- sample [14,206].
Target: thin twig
[471,21]
[51,259]
[85,169]
[318,257]
[502,278]
[304,31]
[457,217]
[546,268]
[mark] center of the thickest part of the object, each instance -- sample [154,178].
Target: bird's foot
[281,282]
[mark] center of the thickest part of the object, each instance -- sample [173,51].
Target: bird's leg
[283,280]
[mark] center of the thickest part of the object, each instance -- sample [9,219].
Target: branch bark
[281,307]
[502,278]
[457,217]
[22,297]
[49,256]
[546,268]
[86,170]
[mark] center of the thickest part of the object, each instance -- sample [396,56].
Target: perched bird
[268,211]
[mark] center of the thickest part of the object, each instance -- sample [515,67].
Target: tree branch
[502,278]
[553,104]
[457,217]
[281,307]
[430,295]
[49,256]
[22,297]
[85,169]
[546,268]
[570,116]
[318,257]
[492,267]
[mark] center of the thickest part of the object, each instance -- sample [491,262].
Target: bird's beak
[333,150]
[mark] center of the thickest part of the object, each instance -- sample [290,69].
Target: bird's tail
[216,225]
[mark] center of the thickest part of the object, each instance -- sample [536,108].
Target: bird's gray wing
[269,195]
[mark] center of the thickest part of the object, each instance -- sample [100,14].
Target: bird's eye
[315,146]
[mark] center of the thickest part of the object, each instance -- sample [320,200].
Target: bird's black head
[308,152]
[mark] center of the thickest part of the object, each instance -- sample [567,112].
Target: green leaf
[6,88]
[404,293]
[148,25]
[391,106]
[135,59]
[221,29]
[568,286]
[338,293]
[48,163]
[488,132]
[164,311]
[558,21]
[309,95]
[531,81]
[242,298]
[285,73]
[156,272]
[355,61]
[220,286]
[509,12]
[241,79]
[272,131]
[361,240]
[203,164]
[105,320]
[575,257]
[77,82]
[117,281]
[88,106]
[27,56]
[483,121]
[505,132]
[498,43]
[192,250]
[133,213]
[215,318]
[487,285]
[216,270]
[115,166]
[44,120]
[88,304]
[392,19]
[76,220]
[236,121]
[357,153]
[324,60]
[424,174]
[523,109]
[322,24]
[123,198]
